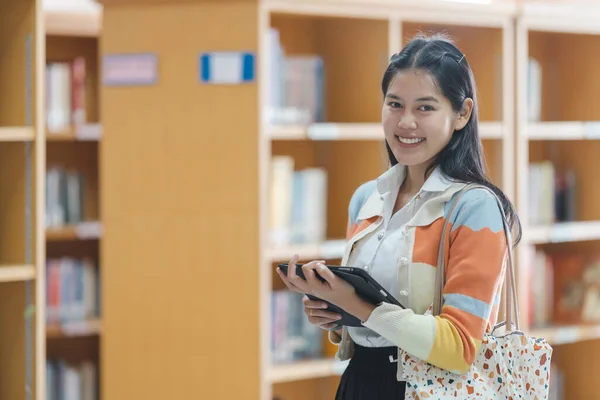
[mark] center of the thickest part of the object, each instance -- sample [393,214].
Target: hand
[317,315]
[292,280]
[336,291]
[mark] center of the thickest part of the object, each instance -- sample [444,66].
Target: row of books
[65,95]
[293,337]
[72,290]
[551,194]
[64,197]
[295,89]
[69,381]
[564,289]
[297,204]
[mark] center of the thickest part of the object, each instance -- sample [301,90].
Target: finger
[291,272]
[293,276]
[332,316]
[311,279]
[287,283]
[308,303]
[326,273]
[309,272]
[321,321]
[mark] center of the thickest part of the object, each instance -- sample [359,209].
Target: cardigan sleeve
[474,275]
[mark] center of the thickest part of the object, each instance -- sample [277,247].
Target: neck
[415,178]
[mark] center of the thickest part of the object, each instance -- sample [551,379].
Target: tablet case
[366,287]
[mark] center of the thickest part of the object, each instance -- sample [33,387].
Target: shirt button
[403,293]
[366,267]
[404,261]
[380,236]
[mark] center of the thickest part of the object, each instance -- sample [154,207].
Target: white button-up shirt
[385,253]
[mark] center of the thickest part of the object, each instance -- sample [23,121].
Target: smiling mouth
[406,140]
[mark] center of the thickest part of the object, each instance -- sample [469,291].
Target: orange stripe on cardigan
[355,229]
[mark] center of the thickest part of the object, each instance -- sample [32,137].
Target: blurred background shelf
[89,327]
[87,132]
[568,334]
[564,130]
[304,370]
[73,18]
[330,249]
[16,134]
[539,124]
[10,273]
[354,131]
[565,232]
[80,231]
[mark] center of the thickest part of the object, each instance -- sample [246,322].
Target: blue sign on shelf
[227,67]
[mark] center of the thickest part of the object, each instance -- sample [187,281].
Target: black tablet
[366,287]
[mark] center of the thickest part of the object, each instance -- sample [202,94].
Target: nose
[407,121]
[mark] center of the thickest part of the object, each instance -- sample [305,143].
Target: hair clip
[463,56]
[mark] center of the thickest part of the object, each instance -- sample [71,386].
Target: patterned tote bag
[509,365]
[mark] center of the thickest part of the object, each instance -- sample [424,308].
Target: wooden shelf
[86,22]
[16,134]
[568,130]
[562,16]
[331,249]
[90,327]
[568,334]
[17,273]
[354,131]
[564,232]
[302,370]
[84,230]
[87,132]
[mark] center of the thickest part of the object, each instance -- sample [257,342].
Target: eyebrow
[428,98]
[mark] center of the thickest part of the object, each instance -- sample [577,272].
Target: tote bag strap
[510,294]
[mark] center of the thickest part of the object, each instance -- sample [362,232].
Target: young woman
[431,131]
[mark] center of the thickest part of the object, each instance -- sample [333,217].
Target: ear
[464,114]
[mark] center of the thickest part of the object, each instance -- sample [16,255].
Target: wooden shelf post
[179,196]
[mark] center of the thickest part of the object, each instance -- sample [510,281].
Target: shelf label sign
[227,67]
[139,69]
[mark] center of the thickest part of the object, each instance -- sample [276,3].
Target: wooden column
[179,201]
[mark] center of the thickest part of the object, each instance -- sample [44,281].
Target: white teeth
[411,140]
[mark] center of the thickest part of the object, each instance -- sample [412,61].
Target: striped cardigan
[474,275]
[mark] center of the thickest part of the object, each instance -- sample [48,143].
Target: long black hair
[463,157]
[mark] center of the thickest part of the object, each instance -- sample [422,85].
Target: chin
[409,158]
[410,161]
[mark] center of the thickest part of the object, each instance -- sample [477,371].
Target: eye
[394,104]
[426,108]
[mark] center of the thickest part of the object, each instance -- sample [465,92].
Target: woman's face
[418,121]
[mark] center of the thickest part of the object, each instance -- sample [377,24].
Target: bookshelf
[354,44]
[73,231]
[557,144]
[22,154]
[221,225]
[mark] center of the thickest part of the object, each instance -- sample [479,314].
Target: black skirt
[371,375]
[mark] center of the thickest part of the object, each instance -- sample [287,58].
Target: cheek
[439,130]
[389,121]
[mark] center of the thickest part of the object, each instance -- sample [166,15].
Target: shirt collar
[393,178]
